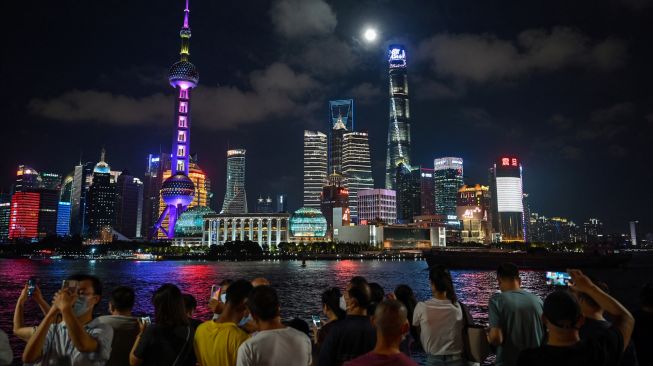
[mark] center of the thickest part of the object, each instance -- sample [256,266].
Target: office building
[27,178]
[377,205]
[24,216]
[264,205]
[356,167]
[335,203]
[408,192]
[235,198]
[335,147]
[63,218]
[341,111]
[593,231]
[427,192]
[507,200]
[100,211]
[315,167]
[82,179]
[5,213]
[448,178]
[48,205]
[282,202]
[398,146]
[50,180]
[263,229]
[178,190]
[129,206]
[473,211]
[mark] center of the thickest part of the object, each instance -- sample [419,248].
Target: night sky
[564,85]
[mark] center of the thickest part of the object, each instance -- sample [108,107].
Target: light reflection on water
[299,288]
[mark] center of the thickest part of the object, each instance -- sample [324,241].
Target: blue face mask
[80,306]
[223,298]
[245,320]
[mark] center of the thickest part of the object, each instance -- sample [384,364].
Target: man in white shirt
[274,343]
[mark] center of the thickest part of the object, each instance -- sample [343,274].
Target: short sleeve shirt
[216,344]
[441,326]
[285,346]
[58,348]
[519,315]
[163,345]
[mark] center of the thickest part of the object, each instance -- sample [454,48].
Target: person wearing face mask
[333,312]
[78,340]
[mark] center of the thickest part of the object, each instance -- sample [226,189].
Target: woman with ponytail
[440,321]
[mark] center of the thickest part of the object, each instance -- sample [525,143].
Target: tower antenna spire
[186,11]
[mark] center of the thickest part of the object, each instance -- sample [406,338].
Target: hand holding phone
[558,278]
[216,291]
[316,321]
[31,285]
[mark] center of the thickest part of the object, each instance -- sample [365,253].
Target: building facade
[27,178]
[335,203]
[264,205]
[377,204]
[507,200]
[282,203]
[235,198]
[342,110]
[356,167]
[260,228]
[48,205]
[315,167]
[398,146]
[408,193]
[24,216]
[473,211]
[129,206]
[427,192]
[448,178]
[101,201]
[5,213]
[82,179]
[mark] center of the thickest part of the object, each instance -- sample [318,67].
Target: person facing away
[217,341]
[274,343]
[562,317]
[407,297]
[643,332]
[440,321]
[391,323]
[6,356]
[596,326]
[377,295]
[190,304]
[169,340]
[330,308]
[19,328]
[515,317]
[77,339]
[354,335]
[125,326]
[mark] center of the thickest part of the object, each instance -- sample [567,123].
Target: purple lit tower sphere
[177,191]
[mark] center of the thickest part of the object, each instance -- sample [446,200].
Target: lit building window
[183,107]
[180,165]
[181,150]
[183,122]
[183,93]
[181,136]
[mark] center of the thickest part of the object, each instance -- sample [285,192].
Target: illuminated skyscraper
[177,191]
[24,217]
[399,124]
[356,167]
[408,193]
[82,178]
[377,205]
[473,211]
[341,120]
[282,203]
[507,200]
[100,211]
[5,213]
[448,177]
[336,146]
[50,180]
[335,204]
[342,110]
[264,205]
[48,205]
[235,198]
[315,167]
[129,205]
[27,178]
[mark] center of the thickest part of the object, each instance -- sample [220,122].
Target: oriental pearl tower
[178,190]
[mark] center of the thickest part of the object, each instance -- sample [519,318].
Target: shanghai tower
[399,124]
[178,191]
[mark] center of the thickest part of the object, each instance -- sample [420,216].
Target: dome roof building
[191,222]
[309,223]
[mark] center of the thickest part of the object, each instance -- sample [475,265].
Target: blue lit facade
[63,219]
[398,146]
[308,222]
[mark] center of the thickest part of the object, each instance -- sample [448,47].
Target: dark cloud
[326,57]
[433,89]
[366,93]
[303,18]
[477,117]
[560,122]
[485,57]
[607,122]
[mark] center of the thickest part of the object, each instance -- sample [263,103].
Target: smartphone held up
[558,279]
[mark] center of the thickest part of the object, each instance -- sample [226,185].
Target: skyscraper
[235,198]
[5,213]
[282,203]
[100,211]
[50,180]
[129,205]
[335,203]
[264,205]
[24,217]
[27,178]
[377,204]
[427,192]
[356,167]
[82,178]
[315,167]
[157,164]
[177,191]
[448,178]
[48,205]
[336,145]
[398,148]
[507,199]
[473,212]
[342,110]
[408,193]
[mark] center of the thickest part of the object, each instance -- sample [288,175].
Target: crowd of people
[580,325]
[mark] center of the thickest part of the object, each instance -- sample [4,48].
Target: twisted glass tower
[178,190]
[399,126]
[235,198]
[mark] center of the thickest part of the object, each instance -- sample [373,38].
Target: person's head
[356,280]
[236,297]
[331,303]
[89,291]
[260,281]
[391,320]
[169,306]
[190,304]
[300,325]
[508,276]
[587,304]
[646,297]
[407,297]
[441,282]
[263,303]
[561,314]
[358,296]
[121,301]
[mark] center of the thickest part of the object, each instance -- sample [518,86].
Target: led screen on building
[509,194]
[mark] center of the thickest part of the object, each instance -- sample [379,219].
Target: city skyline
[577,121]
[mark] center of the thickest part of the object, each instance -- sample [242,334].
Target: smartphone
[316,321]
[146,320]
[31,285]
[558,278]
[70,285]
[215,292]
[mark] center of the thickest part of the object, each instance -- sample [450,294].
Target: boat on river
[538,260]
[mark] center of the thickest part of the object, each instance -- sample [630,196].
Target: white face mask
[223,298]
[343,303]
[80,306]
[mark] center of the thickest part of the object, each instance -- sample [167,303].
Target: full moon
[370,35]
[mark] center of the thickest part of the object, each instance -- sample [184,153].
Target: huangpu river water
[299,287]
